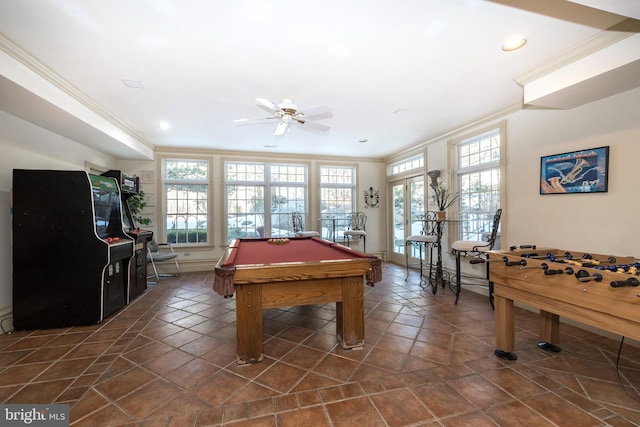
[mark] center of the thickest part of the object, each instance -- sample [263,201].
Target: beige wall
[601,222]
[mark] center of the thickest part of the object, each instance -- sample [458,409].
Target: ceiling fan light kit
[287,112]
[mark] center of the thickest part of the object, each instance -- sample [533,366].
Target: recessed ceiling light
[133,84]
[362,141]
[164,125]
[270,146]
[401,111]
[514,44]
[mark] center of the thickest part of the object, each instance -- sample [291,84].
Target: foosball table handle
[631,281]
[567,270]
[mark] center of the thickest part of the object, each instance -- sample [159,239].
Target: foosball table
[594,289]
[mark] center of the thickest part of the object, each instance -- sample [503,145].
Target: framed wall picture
[584,171]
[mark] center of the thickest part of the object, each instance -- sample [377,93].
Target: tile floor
[168,359]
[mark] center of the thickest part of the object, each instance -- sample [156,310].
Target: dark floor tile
[517,414]
[219,387]
[47,391]
[336,367]
[479,391]
[513,383]
[475,419]
[281,377]
[21,374]
[559,410]
[400,408]
[354,412]
[443,400]
[303,417]
[125,383]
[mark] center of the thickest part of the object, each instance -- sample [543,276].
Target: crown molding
[588,47]
[26,59]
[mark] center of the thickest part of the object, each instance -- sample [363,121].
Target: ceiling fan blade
[317,111]
[253,120]
[266,103]
[309,125]
[281,128]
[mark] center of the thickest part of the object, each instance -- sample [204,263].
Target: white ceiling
[202,63]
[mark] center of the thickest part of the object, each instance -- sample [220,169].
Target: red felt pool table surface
[303,249]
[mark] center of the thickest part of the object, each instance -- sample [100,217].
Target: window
[478,172]
[255,189]
[186,186]
[415,162]
[337,190]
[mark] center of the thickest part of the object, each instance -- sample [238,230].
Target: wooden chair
[356,228]
[298,226]
[477,249]
[161,253]
[430,236]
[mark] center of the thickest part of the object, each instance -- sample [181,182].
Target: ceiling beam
[29,88]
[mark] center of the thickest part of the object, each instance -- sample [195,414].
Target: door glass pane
[416,197]
[397,192]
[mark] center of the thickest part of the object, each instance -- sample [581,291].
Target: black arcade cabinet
[129,187]
[71,254]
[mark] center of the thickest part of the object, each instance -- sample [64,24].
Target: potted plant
[136,205]
[443,199]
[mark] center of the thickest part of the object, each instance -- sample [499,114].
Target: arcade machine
[130,186]
[70,252]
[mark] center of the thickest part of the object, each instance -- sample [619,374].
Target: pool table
[299,271]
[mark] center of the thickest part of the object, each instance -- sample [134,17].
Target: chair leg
[458,278]
[406,257]
[432,277]
[490,288]
[155,271]
[422,280]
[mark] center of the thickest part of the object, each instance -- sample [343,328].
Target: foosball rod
[569,258]
[609,260]
[622,268]
[482,260]
[543,266]
[584,276]
[549,256]
[513,248]
[567,270]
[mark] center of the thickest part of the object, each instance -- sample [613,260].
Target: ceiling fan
[286,112]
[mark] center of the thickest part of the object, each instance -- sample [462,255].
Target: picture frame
[583,171]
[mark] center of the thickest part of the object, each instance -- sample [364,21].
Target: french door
[408,203]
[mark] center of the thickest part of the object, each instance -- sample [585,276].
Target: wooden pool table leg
[505,328]
[249,323]
[350,313]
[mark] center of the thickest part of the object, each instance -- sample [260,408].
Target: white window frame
[340,223]
[477,223]
[403,166]
[268,184]
[165,182]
